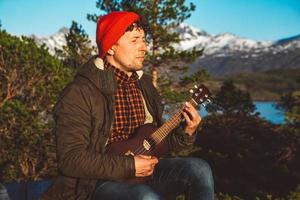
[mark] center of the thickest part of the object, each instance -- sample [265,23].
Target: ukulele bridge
[146,145]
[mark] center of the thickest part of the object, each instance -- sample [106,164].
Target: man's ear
[111,51]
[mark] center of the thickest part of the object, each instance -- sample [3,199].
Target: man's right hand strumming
[144,165]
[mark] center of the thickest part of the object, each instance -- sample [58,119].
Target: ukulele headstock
[200,94]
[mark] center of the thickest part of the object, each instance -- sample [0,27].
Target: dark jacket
[84,116]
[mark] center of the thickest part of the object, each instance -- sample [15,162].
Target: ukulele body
[135,144]
[140,143]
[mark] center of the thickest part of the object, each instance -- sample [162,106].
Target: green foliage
[196,78]
[221,196]
[78,48]
[269,85]
[30,80]
[294,195]
[290,103]
[250,157]
[23,138]
[177,91]
[173,96]
[232,100]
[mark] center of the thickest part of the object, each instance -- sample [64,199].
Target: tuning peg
[191,91]
[195,86]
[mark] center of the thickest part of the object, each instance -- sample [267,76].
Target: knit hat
[111,27]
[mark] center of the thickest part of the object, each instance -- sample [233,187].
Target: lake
[267,111]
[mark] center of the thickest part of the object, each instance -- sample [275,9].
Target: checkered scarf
[129,109]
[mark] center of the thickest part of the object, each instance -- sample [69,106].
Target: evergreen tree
[196,78]
[161,17]
[290,103]
[230,100]
[78,48]
[30,82]
[249,156]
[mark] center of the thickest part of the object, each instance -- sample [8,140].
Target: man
[108,100]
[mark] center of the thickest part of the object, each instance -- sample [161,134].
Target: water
[267,111]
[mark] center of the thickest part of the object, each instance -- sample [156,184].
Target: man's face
[129,51]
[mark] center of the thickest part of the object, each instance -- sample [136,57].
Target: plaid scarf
[129,108]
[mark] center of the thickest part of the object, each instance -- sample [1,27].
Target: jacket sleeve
[179,140]
[73,129]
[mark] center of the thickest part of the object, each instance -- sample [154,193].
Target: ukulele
[150,140]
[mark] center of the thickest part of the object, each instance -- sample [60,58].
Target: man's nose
[144,46]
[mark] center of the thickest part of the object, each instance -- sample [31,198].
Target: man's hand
[144,165]
[192,119]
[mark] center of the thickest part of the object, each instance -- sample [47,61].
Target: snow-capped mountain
[224,53]
[221,44]
[227,53]
[56,40]
[227,43]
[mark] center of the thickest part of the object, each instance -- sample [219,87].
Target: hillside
[226,53]
[263,86]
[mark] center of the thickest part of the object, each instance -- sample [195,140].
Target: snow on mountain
[292,42]
[223,44]
[218,45]
[227,53]
[56,40]
[224,53]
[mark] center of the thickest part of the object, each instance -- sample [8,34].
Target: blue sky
[254,19]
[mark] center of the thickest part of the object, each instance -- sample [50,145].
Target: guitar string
[141,149]
[177,114]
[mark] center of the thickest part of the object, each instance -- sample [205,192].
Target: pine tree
[231,100]
[78,48]
[196,78]
[290,103]
[161,17]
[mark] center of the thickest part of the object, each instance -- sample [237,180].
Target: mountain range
[224,54]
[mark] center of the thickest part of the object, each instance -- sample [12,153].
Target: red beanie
[111,27]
